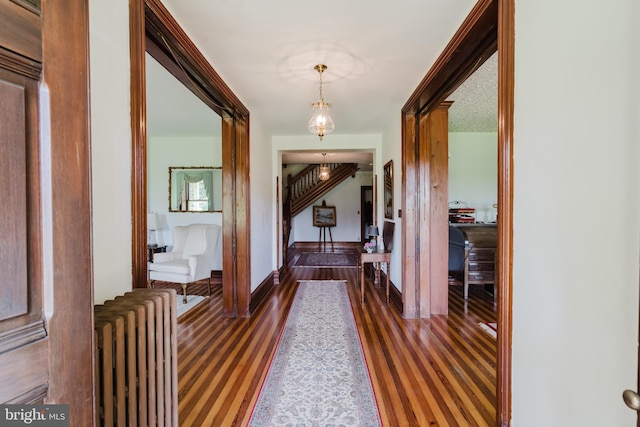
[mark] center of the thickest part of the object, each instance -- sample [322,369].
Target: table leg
[361,282]
[387,282]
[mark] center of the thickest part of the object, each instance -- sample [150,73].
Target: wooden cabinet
[480,265]
[480,256]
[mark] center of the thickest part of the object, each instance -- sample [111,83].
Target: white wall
[110,148]
[473,171]
[163,152]
[346,199]
[264,240]
[576,215]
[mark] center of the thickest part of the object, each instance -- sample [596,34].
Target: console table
[374,257]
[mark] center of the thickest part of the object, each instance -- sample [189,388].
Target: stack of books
[462,215]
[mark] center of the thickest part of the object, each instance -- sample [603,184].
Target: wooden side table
[154,249]
[375,257]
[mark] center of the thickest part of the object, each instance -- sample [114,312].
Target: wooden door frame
[488,27]
[363,190]
[66,222]
[154,30]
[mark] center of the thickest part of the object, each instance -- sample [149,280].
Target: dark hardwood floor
[435,372]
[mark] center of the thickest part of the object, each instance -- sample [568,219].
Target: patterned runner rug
[326,259]
[318,375]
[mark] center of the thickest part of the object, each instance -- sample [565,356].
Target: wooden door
[23,342]
[433,232]
[46,295]
[366,209]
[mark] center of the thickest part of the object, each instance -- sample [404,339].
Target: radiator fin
[136,363]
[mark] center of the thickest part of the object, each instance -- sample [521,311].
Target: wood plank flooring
[435,372]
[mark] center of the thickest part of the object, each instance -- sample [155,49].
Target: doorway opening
[154,30]
[366,209]
[488,28]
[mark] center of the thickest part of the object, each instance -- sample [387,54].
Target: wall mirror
[388,190]
[195,189]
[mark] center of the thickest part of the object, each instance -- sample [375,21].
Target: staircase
[304,188]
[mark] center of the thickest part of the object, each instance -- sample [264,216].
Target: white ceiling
[475,101]
[376,53]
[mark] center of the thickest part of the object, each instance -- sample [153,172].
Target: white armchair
[190,259]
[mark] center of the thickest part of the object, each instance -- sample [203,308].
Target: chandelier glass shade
[324,169]
[321,122]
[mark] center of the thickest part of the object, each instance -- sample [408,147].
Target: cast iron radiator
[136,362]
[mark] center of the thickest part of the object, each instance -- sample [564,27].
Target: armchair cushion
[178,266]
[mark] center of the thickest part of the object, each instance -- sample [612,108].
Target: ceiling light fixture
[321,123]
[324,169]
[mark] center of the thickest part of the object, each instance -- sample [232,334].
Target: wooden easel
[322,238]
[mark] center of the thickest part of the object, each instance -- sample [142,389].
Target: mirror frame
[213,168]
[387,188]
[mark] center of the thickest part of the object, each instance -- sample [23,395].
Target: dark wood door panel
[20,227]
[24,346]
[20,30]
[13,227]
[26,370]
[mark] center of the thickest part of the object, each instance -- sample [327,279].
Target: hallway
[436,372]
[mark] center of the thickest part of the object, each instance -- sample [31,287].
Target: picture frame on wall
[324,216]
[388,190]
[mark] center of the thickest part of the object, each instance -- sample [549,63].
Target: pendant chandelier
[321,123]
[324,169]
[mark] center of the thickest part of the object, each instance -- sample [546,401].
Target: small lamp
[373,232]
[152,226]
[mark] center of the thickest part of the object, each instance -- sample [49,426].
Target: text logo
[34,415]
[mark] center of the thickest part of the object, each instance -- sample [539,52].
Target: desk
[479,265]
[376,257]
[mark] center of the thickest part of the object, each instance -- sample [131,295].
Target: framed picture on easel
[324,216]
